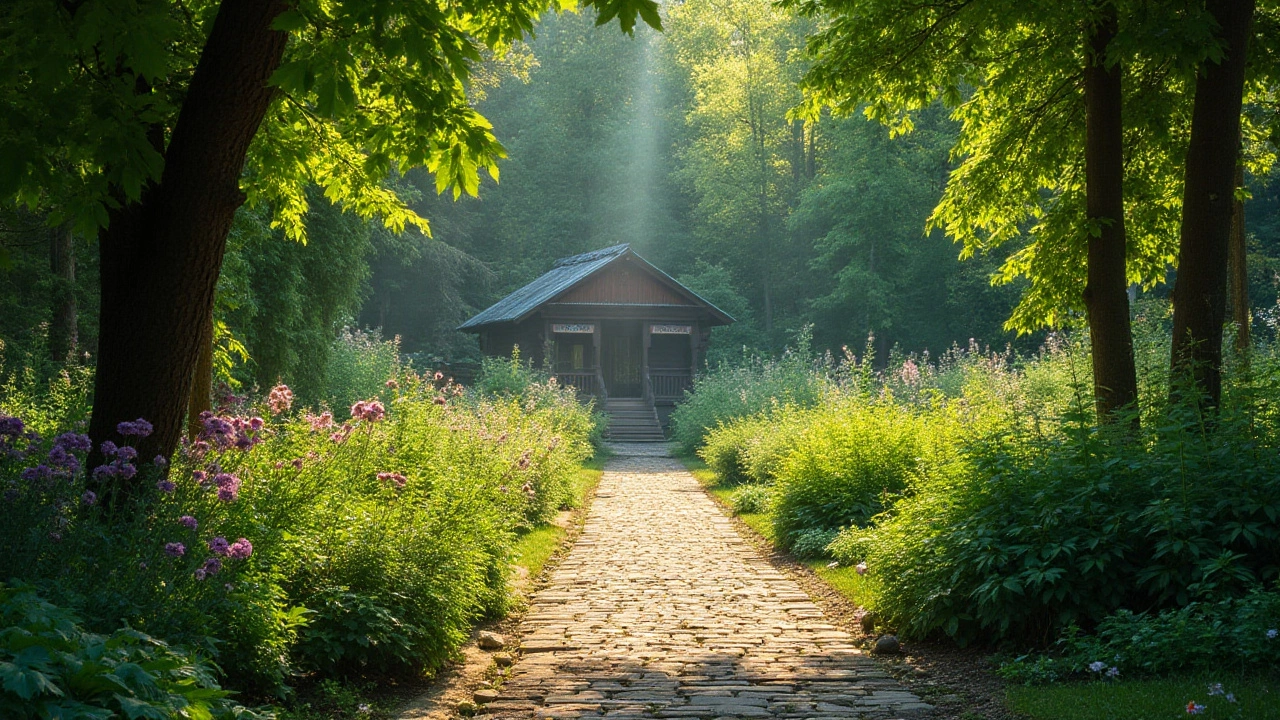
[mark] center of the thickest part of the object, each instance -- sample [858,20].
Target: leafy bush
[359,363]
[726,445]
[851,461]
[750,499]
[1042,532]
[50,667]
[812,542]
[403,515]
[1234,634]
[507,376]
[756,387]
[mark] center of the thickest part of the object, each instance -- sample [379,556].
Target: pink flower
[240,549]
[392,384]
[368,410]
[323,421]
[280,399]
[860,568]
[397,478]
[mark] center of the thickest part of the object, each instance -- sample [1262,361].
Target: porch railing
[670,384]
[586,383]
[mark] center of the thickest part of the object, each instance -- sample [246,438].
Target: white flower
[861,568]
[1272,633]
[1113,672]
[1097,666]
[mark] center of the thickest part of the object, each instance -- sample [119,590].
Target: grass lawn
[1256,699]
[537,545]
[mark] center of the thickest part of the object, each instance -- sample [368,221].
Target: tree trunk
[202,379]
[161,256]
[1199,295]
[63,325]
[1236,259]
[1106,297]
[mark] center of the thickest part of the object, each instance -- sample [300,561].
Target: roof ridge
[592,256]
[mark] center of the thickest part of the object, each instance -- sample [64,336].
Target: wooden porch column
[694,333]
[596,335]
[645,338]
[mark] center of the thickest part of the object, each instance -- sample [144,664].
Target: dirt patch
[958,682]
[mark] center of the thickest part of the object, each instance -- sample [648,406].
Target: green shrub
[50,667]
[410,507]
[750,499]
[508,377]
[1042,532]
[360,363]
[849,462]
[725,449]
[757,387]
[1230,635]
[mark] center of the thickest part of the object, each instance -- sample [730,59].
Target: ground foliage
[982,502]
[284,539]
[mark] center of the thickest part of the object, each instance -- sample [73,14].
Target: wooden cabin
[611,325]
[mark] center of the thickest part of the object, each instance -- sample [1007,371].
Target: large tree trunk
[202,379]
[1106,298]
[161,256]
[1199,294]
[1239,270]
[63,325]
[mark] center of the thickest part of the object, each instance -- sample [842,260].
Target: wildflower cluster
[368,411]
[225,433]
[280,399]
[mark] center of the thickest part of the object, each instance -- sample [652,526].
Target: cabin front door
[621,357]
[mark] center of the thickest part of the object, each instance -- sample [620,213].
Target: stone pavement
[662,611]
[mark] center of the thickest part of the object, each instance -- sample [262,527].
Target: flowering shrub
[404,509]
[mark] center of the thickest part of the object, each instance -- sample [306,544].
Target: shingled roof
[563,275]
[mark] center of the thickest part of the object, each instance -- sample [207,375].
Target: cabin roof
[566,273]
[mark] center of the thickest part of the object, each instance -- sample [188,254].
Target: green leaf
[26,683]
[290,21]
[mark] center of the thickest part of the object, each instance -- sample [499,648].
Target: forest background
[681,143]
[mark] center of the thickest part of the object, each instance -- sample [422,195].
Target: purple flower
[89,497]
[256,423]
[200,573]
[73,442]
[128,471]
[188,522]
[1194,708]
[127,453]
[212,566]
[161,461]
[104,471]
[1272,633]
[10,425]
[1114,672]
[200,476]
[240,549]
[108,448]
[165,486]
[219,545]
[175,549]
[228,486]
[60,458]
[138,428]
[55,536]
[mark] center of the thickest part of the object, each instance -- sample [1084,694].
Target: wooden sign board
[671,329]
[579,328]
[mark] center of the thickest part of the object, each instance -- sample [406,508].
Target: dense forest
[683,143]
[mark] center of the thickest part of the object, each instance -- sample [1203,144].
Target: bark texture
[202,379]
[64,321]
[161,256]
[1106,297]
[1239,269]
[1199,294]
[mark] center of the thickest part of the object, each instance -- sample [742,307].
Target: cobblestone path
[662,611]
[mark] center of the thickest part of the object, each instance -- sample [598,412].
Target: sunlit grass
[1257,699]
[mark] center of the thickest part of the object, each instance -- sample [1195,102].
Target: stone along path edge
[661,610]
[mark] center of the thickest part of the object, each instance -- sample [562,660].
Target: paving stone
[661,610]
